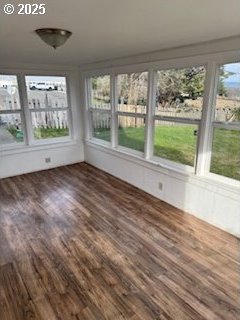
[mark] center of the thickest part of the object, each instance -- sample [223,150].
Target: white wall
[16,163]
[206,198]
[203,198]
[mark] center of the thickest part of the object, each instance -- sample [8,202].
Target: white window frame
[90,110]
[29,112]
[27,129]
[186,168]
[18,111]
[204,145]
[218,124]
[136,115]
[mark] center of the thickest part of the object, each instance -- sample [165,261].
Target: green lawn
[45,133]
[226,153]
[17,134]
[132,138]
[178,143]
[40,133]
[103,134]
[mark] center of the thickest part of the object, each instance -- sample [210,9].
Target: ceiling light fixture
[53,37]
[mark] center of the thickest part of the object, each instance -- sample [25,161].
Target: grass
[45,133]
[102,133]
[132,138]
[178,143]
[40,133]
[16,133]
[226,153]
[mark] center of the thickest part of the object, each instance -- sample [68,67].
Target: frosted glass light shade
[53,37]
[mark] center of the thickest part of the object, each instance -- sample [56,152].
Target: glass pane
[226,153]
[9,96]
[176,142]
[101,125]
[10,129]
[100,97]
[50,124]
[46,92]
[180,92]
[228,96]
[132,92]
[131,132]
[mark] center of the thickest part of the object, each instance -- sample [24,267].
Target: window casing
[41,117]
[201,124]
[11,115]
[100,108]
[178,113]
[132,110]
[225,130]
[48,106]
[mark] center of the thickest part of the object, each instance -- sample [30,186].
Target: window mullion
[131,114]
[226,125]
[26,114]
[88,115]
[206,130]
[10,111]
[177,119]
[50,109]
[148,148]
[114,106]
[69,80]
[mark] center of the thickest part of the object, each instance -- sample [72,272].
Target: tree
[193,81]
[222,91]
[133,88]
[182,84]
[236,115]
[101,88]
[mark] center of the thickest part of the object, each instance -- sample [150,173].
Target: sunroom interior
[120,160]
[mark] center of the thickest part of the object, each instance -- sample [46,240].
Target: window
[180,92]
[48,105]
[100,107]
[132,109]
[168,129]
[226,153]
[131,132]
[11,128]
[175,141]
[101,125]
[178,112]
[225,159]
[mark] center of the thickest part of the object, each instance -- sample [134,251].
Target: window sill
[138,156]
[43,145]
[218,184]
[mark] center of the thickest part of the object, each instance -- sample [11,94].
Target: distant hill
[232,84]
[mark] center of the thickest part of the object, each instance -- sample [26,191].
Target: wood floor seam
[77,243]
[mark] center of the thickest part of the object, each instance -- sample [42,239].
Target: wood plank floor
[77,243]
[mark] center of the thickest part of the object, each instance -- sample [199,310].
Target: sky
[233,67]
[44,79]
[32,79]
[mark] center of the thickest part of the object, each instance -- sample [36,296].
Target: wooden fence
[102,119]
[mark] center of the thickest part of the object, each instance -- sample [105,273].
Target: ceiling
[106,29]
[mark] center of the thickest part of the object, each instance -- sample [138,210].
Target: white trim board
[214,47]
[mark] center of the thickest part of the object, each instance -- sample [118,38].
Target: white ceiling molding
[109,29]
